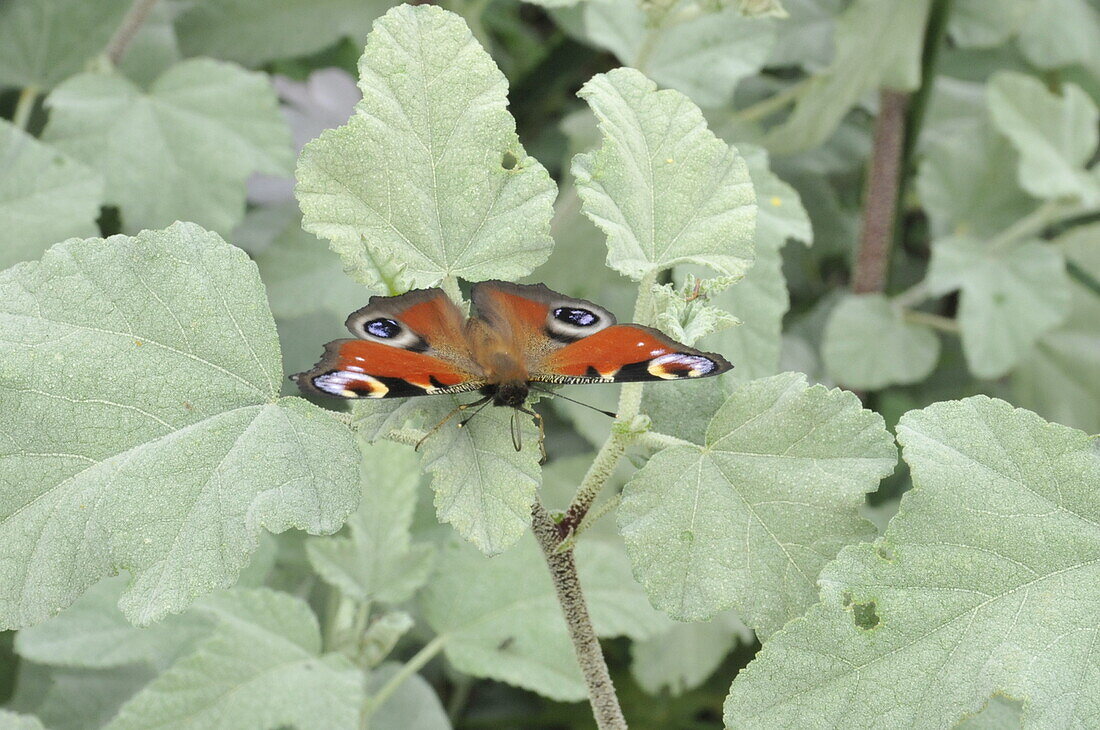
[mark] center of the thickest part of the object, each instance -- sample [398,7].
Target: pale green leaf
[1055,135]
[984,583]
[382,636]
[684,314]
[43,42]
[780,216]
[1058,33]
[684,657]
[14,721]
[45,197]
[254,32]
[414,705]
[1058,379]
[999,713]
[501,619]
[868,344]
[143,432]
[181,150]
[261,668]
[483,486]
[878,43]
[154,48]
[967,183]
[378,561]
[702,54]
[76,699]
[1010,297]
[428,171]
[92,633]
[749,520]
[987,23]
[662,187]
[806,37]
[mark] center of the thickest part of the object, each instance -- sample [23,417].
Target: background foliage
[186,543]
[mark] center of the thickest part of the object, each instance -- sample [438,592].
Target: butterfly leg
[457,409]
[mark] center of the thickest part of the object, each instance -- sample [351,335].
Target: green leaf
[93,633]
[377,562]
[77,699]
[483,486]
[750,519]
[662,187]
[428,171]
[1010,297]
[683,313]
[684,657]
[254,32]
[181,150]
[1055,135]
[43,42]
[163,449]
[1058,33]
[878,44]
[1058,379]
[806,37]
[414,705]
[984,582]
[967,183]
[987,23]
[501,619]
[869,344]
[702,54]
[261,668]
[15,721]
[45,197]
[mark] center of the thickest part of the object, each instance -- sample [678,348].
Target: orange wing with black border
[408,345]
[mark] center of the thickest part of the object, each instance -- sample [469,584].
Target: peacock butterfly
[419,343]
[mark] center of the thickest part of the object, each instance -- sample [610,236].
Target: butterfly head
[509,393]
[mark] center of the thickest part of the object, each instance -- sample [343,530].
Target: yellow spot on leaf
[670,160]
[776,201]
[139,343]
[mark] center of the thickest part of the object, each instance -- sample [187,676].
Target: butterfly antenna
[555,394]
[457,409]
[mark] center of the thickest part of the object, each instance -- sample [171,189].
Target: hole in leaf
[885,551]
[846,600]
[687,536]
[864,615]
[509,161]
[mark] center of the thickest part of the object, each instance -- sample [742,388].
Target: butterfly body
[419,343]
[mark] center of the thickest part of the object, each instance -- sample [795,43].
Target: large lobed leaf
[662,187]
[1011,295]
[43,42]
[45,197]
[261,668]
[748,520]
[428,171]
[985,582]
[377,561]
[139,379]
[180,150]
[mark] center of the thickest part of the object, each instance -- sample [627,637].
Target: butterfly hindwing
[408,345]
[364,369]
[627,353]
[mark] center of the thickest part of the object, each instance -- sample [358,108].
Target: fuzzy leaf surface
[662,187]
[181,149]
[985,582]
[429,170]
[1010,297]
[45,196]
[749,520]
[868,344]
[143,431]
[261,668]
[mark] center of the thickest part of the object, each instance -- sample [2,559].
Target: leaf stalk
[135,17]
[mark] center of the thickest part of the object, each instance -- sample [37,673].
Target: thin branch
[880,199]
[774,103]
[563,571]
[658,440]
[1083,277]
[131,24]
[409,668]
[24,106]
[935,321]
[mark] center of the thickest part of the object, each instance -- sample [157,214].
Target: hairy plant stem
[880,198]
[409,668]
[24,106]
[131,24]
[563,571]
